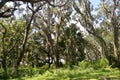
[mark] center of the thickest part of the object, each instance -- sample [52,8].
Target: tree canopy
[39,32]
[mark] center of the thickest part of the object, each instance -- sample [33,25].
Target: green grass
[77,74]
[99,70]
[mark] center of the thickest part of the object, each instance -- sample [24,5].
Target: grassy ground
[77,74]
[99,70]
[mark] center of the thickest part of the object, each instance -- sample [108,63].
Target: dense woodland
[57,34]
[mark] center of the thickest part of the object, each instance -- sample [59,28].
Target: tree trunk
[24,44]
[116,46]
[50,59]
[116,42]
[57,62]
[115,32]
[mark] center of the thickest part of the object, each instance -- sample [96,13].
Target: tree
[11,40]
[33,7]
[8,12]
[87,20]
[74,44]
[51,29]
[110,10]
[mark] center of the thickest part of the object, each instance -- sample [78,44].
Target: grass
[83,71]
[77,74]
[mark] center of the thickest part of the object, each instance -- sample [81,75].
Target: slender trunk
[51,52]
[57,55]
[50,59]
[115,32]
[48,54]
[116,44]
[24,43]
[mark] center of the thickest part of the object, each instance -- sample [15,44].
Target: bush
[102,63]
[84,64]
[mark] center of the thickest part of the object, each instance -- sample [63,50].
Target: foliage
[85,70]
[72,36]
[102,63]
[67,74]
[99,64]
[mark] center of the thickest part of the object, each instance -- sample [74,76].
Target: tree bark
[116,46]
[24,43]
[57,56]
[115,26]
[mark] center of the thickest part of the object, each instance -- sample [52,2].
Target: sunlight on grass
[83,71]
[77,74]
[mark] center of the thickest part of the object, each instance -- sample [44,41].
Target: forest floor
[99,70]
[77,74]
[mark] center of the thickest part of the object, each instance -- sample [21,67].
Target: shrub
[84,64]
[102,63]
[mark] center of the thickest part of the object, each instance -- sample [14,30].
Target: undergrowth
[83,71]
